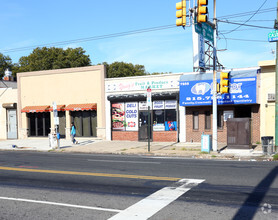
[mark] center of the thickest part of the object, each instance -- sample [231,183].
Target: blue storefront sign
[242,91]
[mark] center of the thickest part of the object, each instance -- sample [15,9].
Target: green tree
[121,69]
[52,58]
[5,62]
[160,73]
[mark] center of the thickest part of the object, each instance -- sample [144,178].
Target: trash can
[267,144]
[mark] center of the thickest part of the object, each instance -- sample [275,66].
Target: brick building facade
[194,135]
[127,111]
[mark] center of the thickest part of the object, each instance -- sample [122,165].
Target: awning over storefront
[81,107]
[32,109]
[59,108]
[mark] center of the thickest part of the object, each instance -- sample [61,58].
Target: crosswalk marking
[60,204]
[147,207]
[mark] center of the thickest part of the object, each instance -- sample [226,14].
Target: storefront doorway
[11,124]
[62,123]
[39,124]
[85,122]
[143,126]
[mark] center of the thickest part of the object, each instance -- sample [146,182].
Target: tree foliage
[121,69]
[5,62]
[52,58]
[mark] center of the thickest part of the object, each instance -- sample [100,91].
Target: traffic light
[224,82]
[181,13]
[202,11]
[218,87]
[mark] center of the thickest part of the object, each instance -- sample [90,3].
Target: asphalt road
[87,186]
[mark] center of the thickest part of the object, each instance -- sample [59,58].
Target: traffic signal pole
[214,101]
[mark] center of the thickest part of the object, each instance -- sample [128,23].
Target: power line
[247,13]
[120,34]
[100,37]
[248,18]
[243,39]
[242,24]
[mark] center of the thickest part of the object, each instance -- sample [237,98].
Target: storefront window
[118,116]
[195,120]
[158,120]
[85,123]
[220,119]
[39,124]
[207,120]
[125,115]
[170,120]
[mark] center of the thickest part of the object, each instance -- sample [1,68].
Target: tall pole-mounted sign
[202,29]
[149,104]
[273,37]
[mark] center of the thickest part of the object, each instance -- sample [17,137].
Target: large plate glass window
[131,116]
[118,116]
[170,115]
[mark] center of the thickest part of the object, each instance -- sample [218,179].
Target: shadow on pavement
[253,202]
[82,143]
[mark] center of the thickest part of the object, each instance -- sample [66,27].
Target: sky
[26,24]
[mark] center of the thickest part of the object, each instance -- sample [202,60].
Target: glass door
[143,126]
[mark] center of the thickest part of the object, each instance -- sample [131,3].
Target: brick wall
[165,136]
[125,135]
[195,135]
[158,136]
[255,128]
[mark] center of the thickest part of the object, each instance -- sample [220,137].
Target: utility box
[239,133]
[206,143]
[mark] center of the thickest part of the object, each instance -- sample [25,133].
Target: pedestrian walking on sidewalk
[73,133]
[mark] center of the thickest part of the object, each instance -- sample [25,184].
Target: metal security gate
[239,133]
[11,124]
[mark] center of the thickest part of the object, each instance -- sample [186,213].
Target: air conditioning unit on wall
[271,97]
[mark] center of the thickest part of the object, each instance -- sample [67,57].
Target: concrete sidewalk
[93,145]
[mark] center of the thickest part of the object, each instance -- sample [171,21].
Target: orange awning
[42,108]
[81,107]
[59,108]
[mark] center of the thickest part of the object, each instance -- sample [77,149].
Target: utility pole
[276,88]
[214,101]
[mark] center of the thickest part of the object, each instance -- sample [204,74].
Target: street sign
[205,30]
[273,36]
[149,97]
[55,114]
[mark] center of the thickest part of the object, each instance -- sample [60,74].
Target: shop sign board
[131,115]
[140,85]
[143,106]
[159,104]
[242,91]
[170,104]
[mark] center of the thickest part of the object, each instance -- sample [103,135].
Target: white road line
[61,204]
[124,161]
[147,207]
